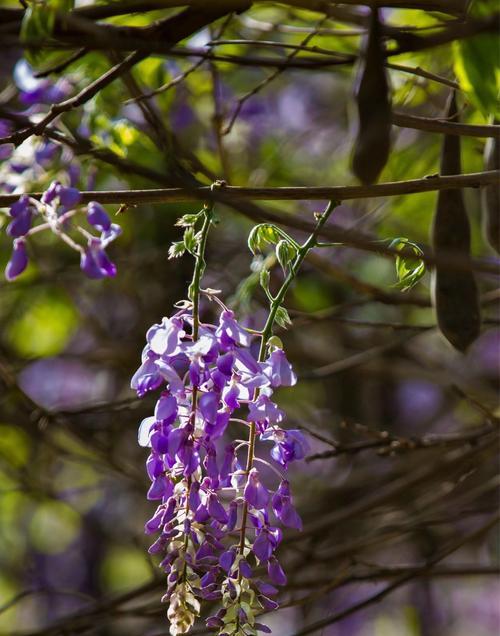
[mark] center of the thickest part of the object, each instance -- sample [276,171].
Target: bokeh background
[399,413]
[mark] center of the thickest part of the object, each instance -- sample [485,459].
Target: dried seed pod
[373,141]
[455,294]
[491,196]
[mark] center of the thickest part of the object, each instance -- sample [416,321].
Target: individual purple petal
[68,197]
[275,572]
[255,493]
[161,488]
[159,441]
[283,508]
[164,338]
[51,193]
[159,545]
[20,225]
[208,405]
[219,379]
[176,439]
[246,363]
[108,236]
[205,551]
[229,331]
[154,466]
[21,215]
[227,559]
[195,373]
[20,207]
[216,509]
[18,260]
[145,431]
[263,547]
[230,395]
[217,429]
[225,363]
[264,409]
[98,217]
[289,445]
[227,462]
[166,409]
[245,569]
[155,523]
[194,495]
[266,588]
[147,383]
[279,370]
[214,622]
[94,261]
[104,263]
[268,604]
[170,375]
[260,627]
[210,464]
[201,515]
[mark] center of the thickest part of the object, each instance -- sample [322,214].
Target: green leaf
[190,240]
[188,220]
[38,23]
[176,250]
[261,234]
[477,66]
[264,277]
[285,253]
[408,270]
[282,318]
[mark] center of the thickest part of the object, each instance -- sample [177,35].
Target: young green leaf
[285,253]
[282,318]
[409,270]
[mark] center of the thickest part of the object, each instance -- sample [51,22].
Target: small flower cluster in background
[217,521]
[56,212]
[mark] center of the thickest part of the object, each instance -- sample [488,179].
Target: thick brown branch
[301,193]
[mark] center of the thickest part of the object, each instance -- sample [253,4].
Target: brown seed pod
[373,141]
[491,196]
[455,294]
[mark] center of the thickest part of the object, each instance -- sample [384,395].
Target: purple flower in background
[68,196]
[18,261]
[21,214]
[94,261]
[38,91]
[45,153]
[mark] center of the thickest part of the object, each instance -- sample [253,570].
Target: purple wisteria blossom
[206,499]
[58,206]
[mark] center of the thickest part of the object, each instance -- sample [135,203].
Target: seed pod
[455,295]
[491,196]
[373,141]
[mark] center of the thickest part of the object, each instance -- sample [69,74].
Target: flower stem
[199,268]
[267,332]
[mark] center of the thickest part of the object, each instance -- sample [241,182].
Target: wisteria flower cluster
[218,522]
[55,211]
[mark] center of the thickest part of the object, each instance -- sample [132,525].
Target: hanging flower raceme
[216,521]
[57,211]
